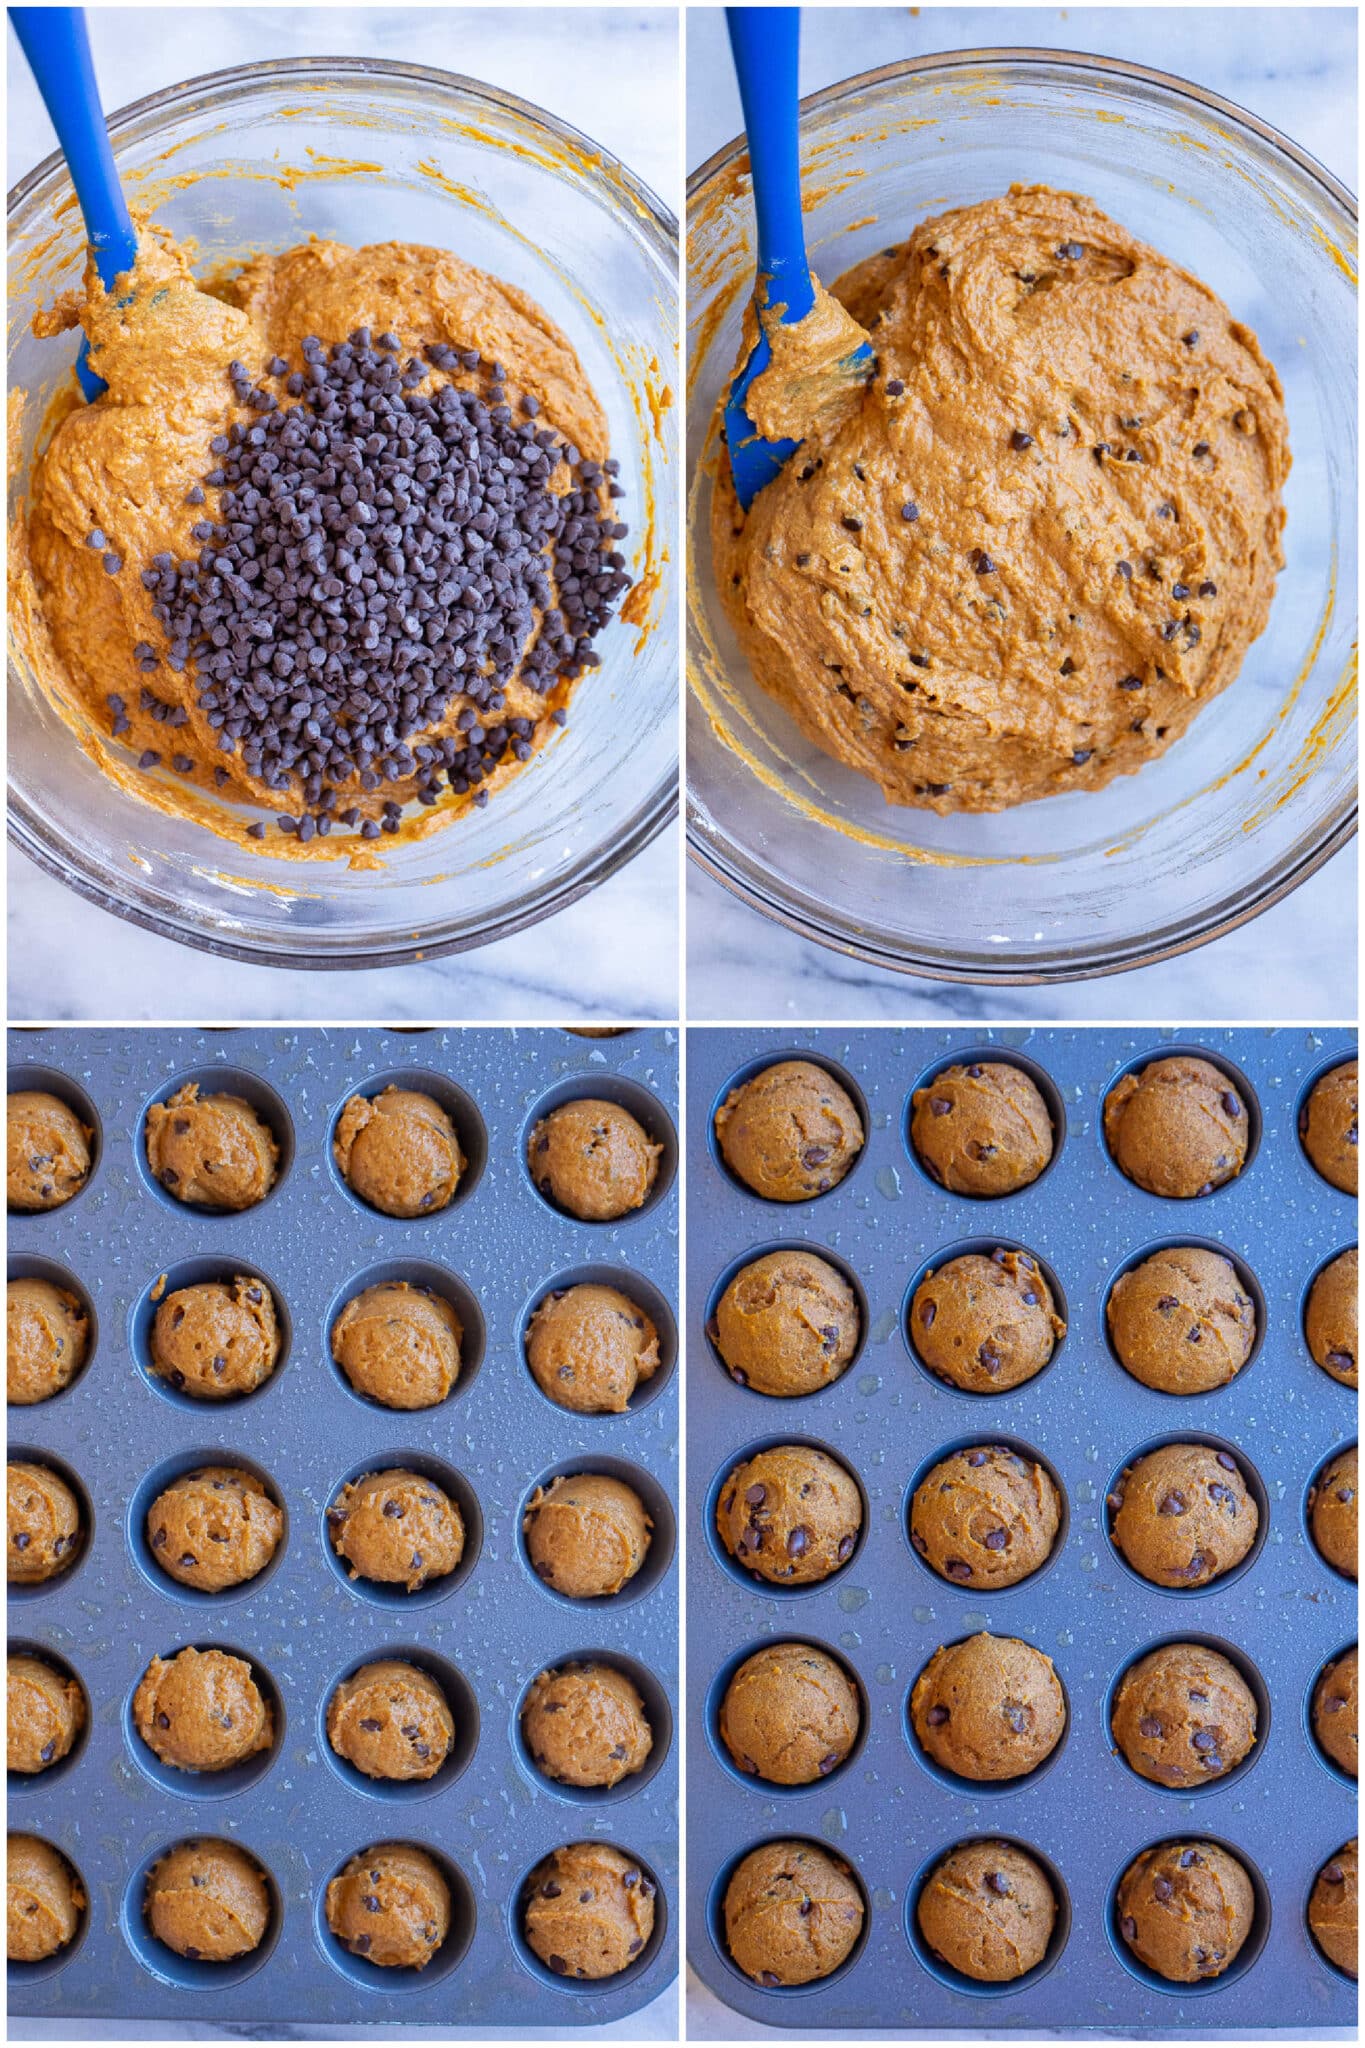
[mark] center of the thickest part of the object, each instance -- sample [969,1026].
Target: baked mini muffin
[988,1909]
[391,1906]
[1185,1910]
[399,1151]
[1333,1908]
[392,1721]
[208,1901]
[793,1913]
[589,1910]
[985,1517]
[1179,1128]
[982,1130]
[46,1900]
[593,1159]
[585,1724]
[45,1532]
[1182,1322]
[47,1340]
[45,1713]
[202,1710]
[1182,1515]
[214,1528]
[790,1714]
[791,1132]
[1331,1317]
[985,1324]
[396,1527]
[1332,1511]
[1183,1715]
[47,1151]
[211,1151]
[399,1345]
[1329,1127]
[989,1708]
[216,1340]
[589,1347]
[587,1534]
[1336,1710]
[787,1324]
[791,1515]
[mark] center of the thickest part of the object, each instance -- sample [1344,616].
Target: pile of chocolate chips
[380,551]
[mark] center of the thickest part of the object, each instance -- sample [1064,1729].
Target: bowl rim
[790,906]
[657,225]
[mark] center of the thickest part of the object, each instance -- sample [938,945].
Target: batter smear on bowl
[335,542]
[1021,558]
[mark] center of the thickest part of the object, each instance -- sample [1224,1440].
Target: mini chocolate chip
[937,1716]
[1019,440]
[1150,1726]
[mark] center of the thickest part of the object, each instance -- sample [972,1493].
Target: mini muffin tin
[489,1816]
[1083,1814]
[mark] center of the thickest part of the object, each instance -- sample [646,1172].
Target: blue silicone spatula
[55,42]
[764,43]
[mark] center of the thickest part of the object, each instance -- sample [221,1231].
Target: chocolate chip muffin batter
[787,1324]
[585,1724]
[396,1527]
[44,1524]
[791,1132]
[214,1528]
[1331,1318]
[589,1347]
[47,1339]
[399,1344]
[790,1714]
[44,1716]
[1061,621]
[1336,1711]
[216,1340]
[985,1324]
[1332,1511]
[399,1152]
[46,1900]
[589,1910]
[991,1707]
[791,1515]
[1183,1714]
[1329,1126]
[392,1721]
[587,1535]
[1182,1321]
[1333,1908]
[208,1900]
[793,1913]
[982,1130]
[1179,1128]
[390,1905]
[202,1710]
[988,1909]
[593,1159]
[47,1151]
[211,1151]
[1185,1910]
[985,1517]
[1183,1515]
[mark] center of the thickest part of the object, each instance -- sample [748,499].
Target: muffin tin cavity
[1324,1564]
[645,1295]
[212,1079]
[1212,1056]
[373,1977]
[972,1055]
[778,1402]
[1320,1373]
[1310,1733]
[748,1071]
[734,1567]
[48,1589]
[957,1981]
[209,1784]
[714,1921]
[1246,1670]
[984,1788]
[584,1988]
[1247,1956]
[663,1538]
[1325,1066]
[981,1247]
[765,1788]
[987,1440]
[457,1489]
[21,1976]
[197,1272]
[460,1697]
[185,1973]
[18,1783]
[1187,1241]
[648,1111]
[1223,1448]
[658,1712]
[150,1488]
[34,1078]
[438,1280]
[470,1129]
[27,1266]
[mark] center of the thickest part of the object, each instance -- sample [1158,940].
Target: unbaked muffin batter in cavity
[1021,558]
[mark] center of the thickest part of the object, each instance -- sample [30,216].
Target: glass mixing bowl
[1261,791]
[364,151]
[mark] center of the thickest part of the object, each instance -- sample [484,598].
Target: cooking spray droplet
[884,1327]
[1090,1563]
[889,1183]
[850,1639]
[834,1823]
[1064,1639]
[885,1674]
[869,1383]
[923,1615]
[883,1901]
[854,1597]
[1086,1490]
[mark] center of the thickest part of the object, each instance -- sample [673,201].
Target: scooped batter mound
[47,1340]
[214,1528]
[391,1905]
[337,539]
[202,1710]
[208,1901]
[216,1340]
[391,1720]
[589,1910]
[46,1900]
[1020,559]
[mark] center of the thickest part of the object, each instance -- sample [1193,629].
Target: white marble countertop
[612,72]
[1292,65]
